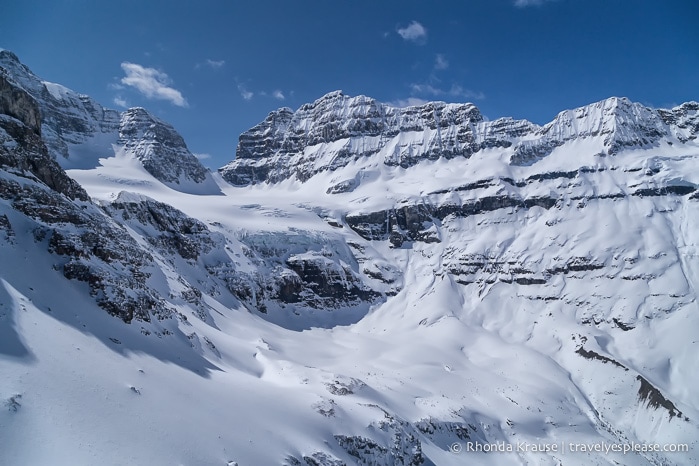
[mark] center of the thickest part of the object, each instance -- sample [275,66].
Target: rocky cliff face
[22,148]
[161,150]
[67,118]
[86,244]
[447,280]
[617,123]
[77,131]
[337,129]
[589,216]
[16,103]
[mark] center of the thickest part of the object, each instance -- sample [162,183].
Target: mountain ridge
[364,313]
[78,131]
[337,129]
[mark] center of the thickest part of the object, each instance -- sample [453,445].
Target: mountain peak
[78,131]
[7,55]
[161,149]
[335,129]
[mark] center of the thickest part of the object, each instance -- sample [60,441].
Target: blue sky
[214,68]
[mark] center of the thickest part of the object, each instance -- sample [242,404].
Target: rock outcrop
[160,148]
[336,130]
[78,131]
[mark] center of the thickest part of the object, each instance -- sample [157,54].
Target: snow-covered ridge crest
[617,123]
[336,130]
[456,300]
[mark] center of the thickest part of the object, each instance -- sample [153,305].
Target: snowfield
[418,313]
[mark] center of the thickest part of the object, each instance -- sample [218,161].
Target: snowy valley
[361,285]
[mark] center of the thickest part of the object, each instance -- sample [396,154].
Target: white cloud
[409,102]
[202,156]
[440,62]
[120,102]
[151,83]
[426,89]
[458,91]
[215,64]
[244,93]
[278,95]
[454,91]
[526,3]
[414,32]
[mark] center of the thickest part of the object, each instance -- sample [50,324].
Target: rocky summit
[361,285]
[337,130]
[78,131]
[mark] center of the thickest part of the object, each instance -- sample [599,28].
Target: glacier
[362,284]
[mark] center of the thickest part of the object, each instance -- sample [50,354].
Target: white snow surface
[487,354]
[452,347]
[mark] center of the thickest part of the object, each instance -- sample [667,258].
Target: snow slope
[457,301]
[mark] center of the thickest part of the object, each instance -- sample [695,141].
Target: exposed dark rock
[417,222]
[17,103]
[529,281]
[65,117]
[361,447]
[322,459]
[26,153]
[622,325]
[406,223]
[575,264]
[345,186]
[13,403]
[160,148]
[344,386]
[664,191]
[7,233]
[433,427]
[589,354]
[92,249]
[647,392]
[619,122]
[528,152]
[274,150]
[480,184]
[330,282]
[176,231]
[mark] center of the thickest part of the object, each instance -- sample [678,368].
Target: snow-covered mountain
[78,132]
[373,286]
[337,130]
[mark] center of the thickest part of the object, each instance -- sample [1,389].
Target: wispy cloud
[440,62]
[526,3]
[209,63]
[455,90]
[279,95]
[151,83]
[458,91]
[409,102]
[215,64]
[245,93]
[120,102]
[426,89]
[414,32]
[202,156]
